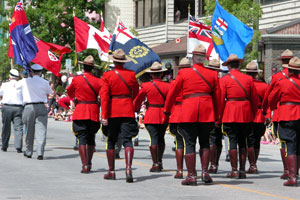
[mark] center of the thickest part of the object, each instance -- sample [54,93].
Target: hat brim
[285,65]
[84,63]
[230,61]
[284,57]
[127,59]
[252,70]
[155,71]
[293,67]
[212,67]
[198,53]
[183,66]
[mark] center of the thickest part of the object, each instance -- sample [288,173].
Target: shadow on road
[150,177]
[63,157]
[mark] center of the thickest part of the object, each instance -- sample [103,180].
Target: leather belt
[156,105]
[87,102]
[120,96]
[34,103]
[289,103]
[198,94]
[16,105]
[237,99]
[178,103]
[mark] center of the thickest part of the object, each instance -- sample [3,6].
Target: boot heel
[110,176]
[129,178]
[85,169]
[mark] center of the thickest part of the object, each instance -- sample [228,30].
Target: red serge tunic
[199,108]
[82,91]
[112,103]
[285,91]
[238,111]
[176,110]
[265,104]
[154,114]
[261,89]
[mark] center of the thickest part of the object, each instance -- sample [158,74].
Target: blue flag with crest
[141,55]
[229,34]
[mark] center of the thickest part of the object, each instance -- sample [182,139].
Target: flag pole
[187,35]
[75,56]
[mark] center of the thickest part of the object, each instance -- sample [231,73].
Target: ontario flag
[88,37]
[200,33]
[24,46]
[142,57]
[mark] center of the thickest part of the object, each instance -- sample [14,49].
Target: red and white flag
[88,37]
[49,55]
[199,33]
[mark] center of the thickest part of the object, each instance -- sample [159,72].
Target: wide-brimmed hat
[14,72]
[184,62]
[119,56]
[155,68]
[287,54]
[199,50]
[232,58]
[213,64]
[88,61]
[294,63]
[251,67]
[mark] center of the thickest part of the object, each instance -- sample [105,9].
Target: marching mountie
[285,58]
[174,121]
[258,127]
[286,94]
[119,89]
[12,111]
[200,88]
[35,116]
[238,111]
[156,91]
[215,137]
[85,88]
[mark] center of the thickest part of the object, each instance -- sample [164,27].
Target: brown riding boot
[285,174]
[233,162]
[213,167]
[251,157]
[128,159]
[84,160]
[179,160]
[298,166]
[154,152]
[90,153]
[110,175]
[190,161]
[161,150]
[204,156]
[292,166]
[242,159]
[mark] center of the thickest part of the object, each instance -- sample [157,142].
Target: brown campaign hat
[88,61]
[294,63]
[155,68]
[213,64]
[232,58]
[199,50]
[119,56]
[286,54]
[184,62]
[251,67]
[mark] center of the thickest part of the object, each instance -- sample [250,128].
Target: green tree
[248,11]
[52,21]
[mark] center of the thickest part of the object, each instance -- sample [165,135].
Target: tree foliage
[52,21]
[248,11]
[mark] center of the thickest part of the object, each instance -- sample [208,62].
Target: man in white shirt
[35,116]
[12,111]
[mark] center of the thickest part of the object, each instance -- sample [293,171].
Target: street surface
[58,176]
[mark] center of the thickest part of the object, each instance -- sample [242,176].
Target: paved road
[58,175]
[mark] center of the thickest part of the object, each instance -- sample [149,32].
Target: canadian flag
[88,37]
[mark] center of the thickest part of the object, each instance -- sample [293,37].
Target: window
[201,11]
[181,9]
[271,1]
[149,12]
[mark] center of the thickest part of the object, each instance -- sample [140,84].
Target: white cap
[36,67]
[14,72]
[78,73]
